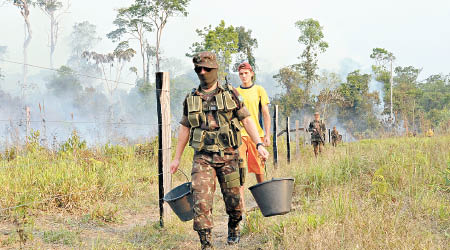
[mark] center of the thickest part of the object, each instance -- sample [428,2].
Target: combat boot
[205,238]
[234,234]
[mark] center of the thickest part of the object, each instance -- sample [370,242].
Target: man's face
[207,76]
[316,117]
[246,75]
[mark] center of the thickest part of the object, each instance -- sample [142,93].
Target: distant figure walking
[335,137]
[317,129]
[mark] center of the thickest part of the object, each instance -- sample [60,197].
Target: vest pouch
[194,119]
[237,132]
[210,141]
[236,124]
[230,104]
[197,138]
[223,136]
[210,138]
[194,104]
[238,139]
[219,101]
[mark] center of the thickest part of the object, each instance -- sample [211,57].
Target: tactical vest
[222,105]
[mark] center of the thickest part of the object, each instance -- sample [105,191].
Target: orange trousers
[248,152]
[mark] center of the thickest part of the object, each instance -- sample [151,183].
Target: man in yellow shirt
[256,101]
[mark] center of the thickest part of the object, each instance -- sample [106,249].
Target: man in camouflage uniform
[334,136]
[317,129]
[212,114]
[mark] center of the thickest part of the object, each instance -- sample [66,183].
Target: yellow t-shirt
[252,96]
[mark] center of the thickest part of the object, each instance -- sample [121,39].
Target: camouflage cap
[205,59]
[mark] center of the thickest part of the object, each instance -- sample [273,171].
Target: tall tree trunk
[53,34]
[28,36]
[142,48]
[158,42]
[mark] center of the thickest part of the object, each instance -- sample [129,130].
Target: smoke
[58,106]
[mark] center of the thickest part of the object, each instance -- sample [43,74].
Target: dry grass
[371,194]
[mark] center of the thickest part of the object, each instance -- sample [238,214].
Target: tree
[221,40]
[83,38]
[383,70]
[159,13]
[311,36]
[405,94]
[246,45]
[132,24]
[357,106]
[295,96]
[65,84]
[24,8]
[53,9]
[329,96]
[434,101]
[111,64]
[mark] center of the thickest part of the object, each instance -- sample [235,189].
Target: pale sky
[414,30]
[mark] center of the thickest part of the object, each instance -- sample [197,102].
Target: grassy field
[372,194]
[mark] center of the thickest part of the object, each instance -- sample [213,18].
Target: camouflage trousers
[318,147]
[334,142]
[206,167]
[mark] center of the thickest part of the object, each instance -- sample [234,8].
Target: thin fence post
[305,131]
[275,136]
[329,135]
[28,125]
[297,138]
[164,141]
[288,140]
[44,127]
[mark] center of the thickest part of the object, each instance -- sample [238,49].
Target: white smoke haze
[130,114]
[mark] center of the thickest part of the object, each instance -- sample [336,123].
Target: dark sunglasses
[199,69]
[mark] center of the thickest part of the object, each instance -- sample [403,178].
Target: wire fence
[106,122]
[57,122]
[76,74]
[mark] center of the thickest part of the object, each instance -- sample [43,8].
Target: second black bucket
[274,197]
[181,201]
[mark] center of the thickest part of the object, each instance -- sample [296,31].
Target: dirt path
[59,230]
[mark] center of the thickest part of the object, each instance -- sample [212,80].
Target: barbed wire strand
[76,73]
[84,122]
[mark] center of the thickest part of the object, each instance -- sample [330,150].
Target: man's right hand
[174,166]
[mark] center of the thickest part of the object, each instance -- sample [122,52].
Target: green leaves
[311,36]
[357,107]
[222,40]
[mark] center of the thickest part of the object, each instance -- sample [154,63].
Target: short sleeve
[241,111]
[184,119]
[264,96]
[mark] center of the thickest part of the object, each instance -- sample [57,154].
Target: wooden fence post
[164,141]
[275,135]
[297,138]
[288,140]
[329,135]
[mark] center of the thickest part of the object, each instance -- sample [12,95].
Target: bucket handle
[185,175]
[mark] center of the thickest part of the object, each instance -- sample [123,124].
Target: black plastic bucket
[181,201]
[274,197]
